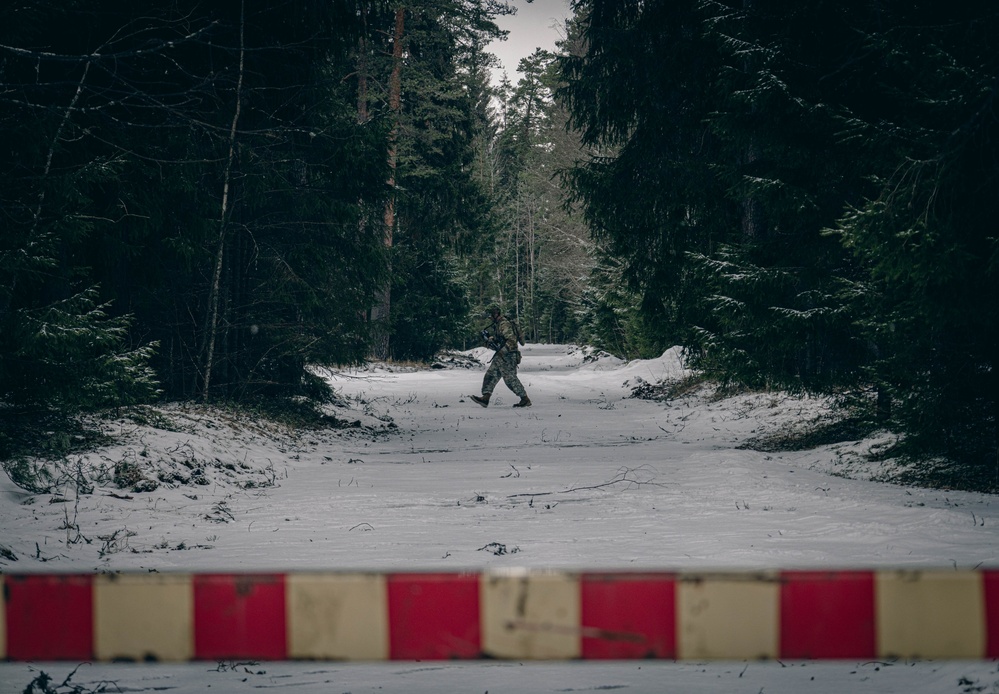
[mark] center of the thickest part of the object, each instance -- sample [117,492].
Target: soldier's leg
[508,369]
[489,382]
[492,376]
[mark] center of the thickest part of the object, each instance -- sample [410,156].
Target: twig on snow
[624,475]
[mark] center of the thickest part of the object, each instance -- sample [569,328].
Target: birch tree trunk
[211,328]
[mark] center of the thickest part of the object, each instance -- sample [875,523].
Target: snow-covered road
[588,478]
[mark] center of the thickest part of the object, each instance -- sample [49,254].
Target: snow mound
[667,367]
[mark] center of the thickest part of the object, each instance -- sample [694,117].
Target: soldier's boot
[484,400]
[524,402]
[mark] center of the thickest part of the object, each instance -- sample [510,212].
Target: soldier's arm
[508,335]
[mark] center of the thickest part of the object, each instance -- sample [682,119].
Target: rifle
[490,341]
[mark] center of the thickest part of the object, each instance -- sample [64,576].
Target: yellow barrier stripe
[924,614]
[728,616]
[143,617]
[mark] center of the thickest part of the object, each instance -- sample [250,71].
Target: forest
[204,201]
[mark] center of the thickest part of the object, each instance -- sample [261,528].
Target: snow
[422,478]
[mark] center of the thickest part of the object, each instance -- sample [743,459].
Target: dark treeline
[201,200]
[804,195]
[188,198]
[205,198]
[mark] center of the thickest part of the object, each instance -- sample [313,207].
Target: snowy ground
[588,478]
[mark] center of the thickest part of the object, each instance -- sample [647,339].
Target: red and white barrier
[541,615]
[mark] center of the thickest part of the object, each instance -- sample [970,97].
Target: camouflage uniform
[504,362]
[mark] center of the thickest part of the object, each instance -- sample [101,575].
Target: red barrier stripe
[434,616]
[827,615]
[628,616]
[49,617]
[239,616]
[991,586]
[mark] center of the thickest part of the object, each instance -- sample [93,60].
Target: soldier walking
[503,336]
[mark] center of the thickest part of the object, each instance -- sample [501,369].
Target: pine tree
[647,189]
[440,203]
[926,233]
[544,248]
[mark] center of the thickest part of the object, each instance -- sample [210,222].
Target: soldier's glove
[490,342]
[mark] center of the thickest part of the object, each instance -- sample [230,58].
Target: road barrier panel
[510,614]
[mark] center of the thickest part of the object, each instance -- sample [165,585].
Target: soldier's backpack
[516,329]
[520,338]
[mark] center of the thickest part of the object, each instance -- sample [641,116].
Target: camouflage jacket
[505,333]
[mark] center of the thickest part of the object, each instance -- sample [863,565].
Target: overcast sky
[537,24]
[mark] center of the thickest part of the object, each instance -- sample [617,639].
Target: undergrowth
[805,435]
[44,684]
[47,453]
[855,421]
[29,441]
[45,434]
[664,391]
[297,413]
[939,473]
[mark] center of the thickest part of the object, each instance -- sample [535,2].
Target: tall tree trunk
[753,225]
[516,250]
[532,313]
[383,309]
[211,328]
[362,69]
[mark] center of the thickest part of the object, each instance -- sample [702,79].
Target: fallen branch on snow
[624,476]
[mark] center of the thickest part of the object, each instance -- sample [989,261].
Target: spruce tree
[825,223]
[772,308]
[926,234]
[62,347]
[638,97]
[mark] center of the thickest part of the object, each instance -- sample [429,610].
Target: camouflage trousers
[503,365]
